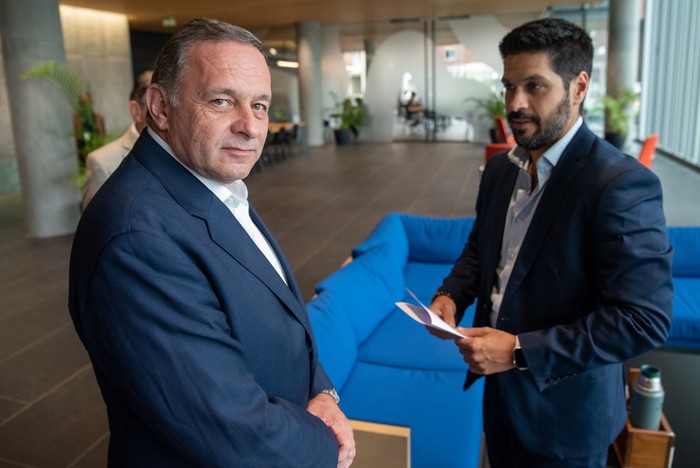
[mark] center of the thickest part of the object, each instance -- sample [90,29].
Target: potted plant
[89,133]
[347,119]
[491,107]
[617,117]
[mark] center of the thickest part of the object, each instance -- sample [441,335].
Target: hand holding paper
[426,316]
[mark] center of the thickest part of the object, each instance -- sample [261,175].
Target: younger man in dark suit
[568,260]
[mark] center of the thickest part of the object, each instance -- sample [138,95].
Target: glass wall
[425,83]
[671,65]
[435,84]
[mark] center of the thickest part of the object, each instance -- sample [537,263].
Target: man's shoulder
[110,154]
[597,151]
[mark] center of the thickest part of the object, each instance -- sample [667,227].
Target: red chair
[646,154]
[502,132]
[505,140]
[493,148]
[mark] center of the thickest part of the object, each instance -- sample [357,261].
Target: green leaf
[70,83]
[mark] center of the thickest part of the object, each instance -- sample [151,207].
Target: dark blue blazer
[204,356]
[591,288]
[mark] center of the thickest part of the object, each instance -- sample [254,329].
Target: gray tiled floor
[318,206]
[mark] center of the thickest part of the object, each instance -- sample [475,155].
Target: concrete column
[42,122]
[623,45]
[309,49]
[370,49]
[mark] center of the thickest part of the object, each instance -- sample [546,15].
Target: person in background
[101,162]
[414,110]
[195,326]
[568,260]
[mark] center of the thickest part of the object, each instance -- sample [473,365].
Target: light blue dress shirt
[522,207]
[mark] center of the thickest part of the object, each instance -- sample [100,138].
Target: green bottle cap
[650,372]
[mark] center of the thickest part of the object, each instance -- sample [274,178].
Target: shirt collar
[222,192]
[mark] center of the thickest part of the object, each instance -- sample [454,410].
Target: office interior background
[447,60]
[447,57]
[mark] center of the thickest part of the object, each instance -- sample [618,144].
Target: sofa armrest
[335,338]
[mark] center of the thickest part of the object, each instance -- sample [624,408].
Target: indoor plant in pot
[347,119]
[618,113]
[490,107]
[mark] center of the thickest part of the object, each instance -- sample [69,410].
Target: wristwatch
[518,356]
[332,393]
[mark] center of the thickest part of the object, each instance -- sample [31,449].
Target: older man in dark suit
[194,323]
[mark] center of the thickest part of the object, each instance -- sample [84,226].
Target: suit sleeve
[321,380]
[463,281]
[174,360]
[630,281]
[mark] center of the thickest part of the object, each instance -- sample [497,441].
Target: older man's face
[219,126]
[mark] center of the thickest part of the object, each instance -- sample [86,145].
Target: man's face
[219,126]
[539,109]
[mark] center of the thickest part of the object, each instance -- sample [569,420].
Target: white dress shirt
[522,207]
[235,197]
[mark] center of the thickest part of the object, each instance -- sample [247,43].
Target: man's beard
[545,134]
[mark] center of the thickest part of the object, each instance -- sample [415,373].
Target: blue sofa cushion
[685,326]
[436,240]
[389,236]
[686,258]
[423,279]
[365,289]
[402,342]
[445,421]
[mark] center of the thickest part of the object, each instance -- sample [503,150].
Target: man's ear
[579,88]
[134,110]
[157,104]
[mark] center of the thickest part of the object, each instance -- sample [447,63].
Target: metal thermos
[647,399]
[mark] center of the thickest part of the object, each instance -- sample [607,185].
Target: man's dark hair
[138,93]
[569,47]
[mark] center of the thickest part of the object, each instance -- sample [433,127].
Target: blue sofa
[388,369]
[685,326]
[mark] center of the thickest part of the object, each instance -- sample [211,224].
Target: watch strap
[333,394]
[519,356]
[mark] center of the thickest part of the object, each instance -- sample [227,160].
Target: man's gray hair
[171,62]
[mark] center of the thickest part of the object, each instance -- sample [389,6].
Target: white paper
[426,316]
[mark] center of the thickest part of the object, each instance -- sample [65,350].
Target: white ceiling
[274,20]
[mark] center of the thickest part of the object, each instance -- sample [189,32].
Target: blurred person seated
[414,110]
[101,162]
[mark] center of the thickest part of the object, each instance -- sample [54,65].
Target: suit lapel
[223,227]
[278,251]
[572,160]
[498,186]
[227,232]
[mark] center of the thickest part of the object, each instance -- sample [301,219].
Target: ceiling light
[287,64]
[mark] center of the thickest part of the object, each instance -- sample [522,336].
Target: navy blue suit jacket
[591,288]
[204,356]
